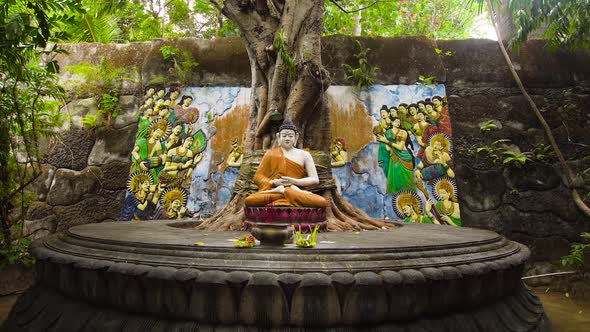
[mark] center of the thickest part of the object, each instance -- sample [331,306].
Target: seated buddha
[283,172]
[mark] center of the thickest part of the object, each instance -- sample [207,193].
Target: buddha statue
[283,172]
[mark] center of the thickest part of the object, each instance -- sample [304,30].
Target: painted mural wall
[391,154]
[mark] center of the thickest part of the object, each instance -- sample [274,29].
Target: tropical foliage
[439,19]
[29,103]
[139,20]
[566,23]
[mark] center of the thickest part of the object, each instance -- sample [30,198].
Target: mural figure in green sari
[400,165]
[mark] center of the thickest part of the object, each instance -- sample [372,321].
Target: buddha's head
[287,135]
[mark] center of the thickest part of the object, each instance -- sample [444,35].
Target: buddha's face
[145,185]
[396,123]
[287,138]
[407,209]
[413,110]
[443,194]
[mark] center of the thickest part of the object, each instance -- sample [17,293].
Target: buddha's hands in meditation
[289,181]
[285,181]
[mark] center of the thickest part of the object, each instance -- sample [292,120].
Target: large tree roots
[342,216]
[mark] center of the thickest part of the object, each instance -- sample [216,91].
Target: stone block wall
[85,173]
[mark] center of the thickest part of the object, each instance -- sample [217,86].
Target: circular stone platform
[150,276]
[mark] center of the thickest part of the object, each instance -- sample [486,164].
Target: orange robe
[274,165]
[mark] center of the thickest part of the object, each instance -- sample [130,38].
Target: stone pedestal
[149,276]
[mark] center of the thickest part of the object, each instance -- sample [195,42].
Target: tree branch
[356,10]
[217,5]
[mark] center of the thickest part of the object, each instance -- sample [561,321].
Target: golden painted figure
[447,207]
[437,160]
[283,171]
[338,152]
[150,93]
[408,206]
[147,105]
[172,97]
[179,163]
[236,154]
[141,202]
[174,203]
[147,148]
[412,112]
[384,121]
[419,126]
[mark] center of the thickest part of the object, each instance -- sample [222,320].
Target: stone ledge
[150,268]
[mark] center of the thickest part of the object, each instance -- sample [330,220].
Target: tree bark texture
[292,85]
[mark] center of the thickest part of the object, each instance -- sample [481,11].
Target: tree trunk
[292,81]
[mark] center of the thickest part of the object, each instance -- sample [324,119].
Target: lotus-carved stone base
[303,219]
[150,277]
